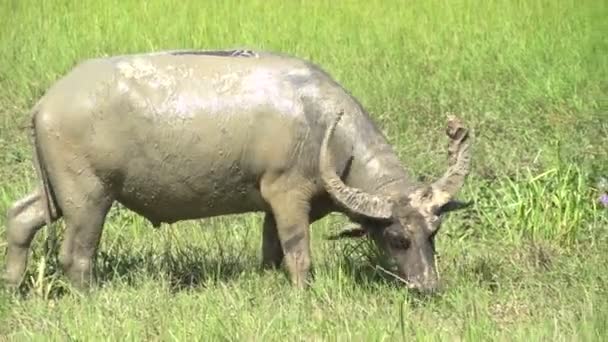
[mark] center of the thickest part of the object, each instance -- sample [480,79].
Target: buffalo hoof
[9,284]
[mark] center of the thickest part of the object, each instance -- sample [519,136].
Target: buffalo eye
[397,240]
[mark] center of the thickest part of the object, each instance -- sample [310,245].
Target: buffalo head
[404,226]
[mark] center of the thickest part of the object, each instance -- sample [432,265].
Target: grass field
[527,262]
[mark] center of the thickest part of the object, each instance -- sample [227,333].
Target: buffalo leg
[290,203]
[272,252]
[85,206]
[25,217]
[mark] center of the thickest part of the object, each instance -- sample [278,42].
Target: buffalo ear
[453,205]
[354,231]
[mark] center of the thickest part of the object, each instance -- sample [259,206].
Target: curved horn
[353,199]
[459,159]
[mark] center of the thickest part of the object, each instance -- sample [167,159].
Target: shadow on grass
[181,270]
[193,267]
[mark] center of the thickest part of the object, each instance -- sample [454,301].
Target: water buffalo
[180,135]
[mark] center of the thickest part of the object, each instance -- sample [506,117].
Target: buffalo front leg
[291,207]
[292,227]
[24,218]
[272,252]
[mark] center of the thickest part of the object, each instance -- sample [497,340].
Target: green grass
[527,262]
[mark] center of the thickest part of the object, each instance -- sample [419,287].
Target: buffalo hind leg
[84,215]
[24,218]
[290,205]
[272,252]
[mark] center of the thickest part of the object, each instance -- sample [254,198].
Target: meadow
[526,262]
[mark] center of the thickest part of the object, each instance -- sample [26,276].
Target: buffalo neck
[375,167]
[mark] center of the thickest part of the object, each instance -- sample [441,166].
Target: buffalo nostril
[427,288]
[430,290]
